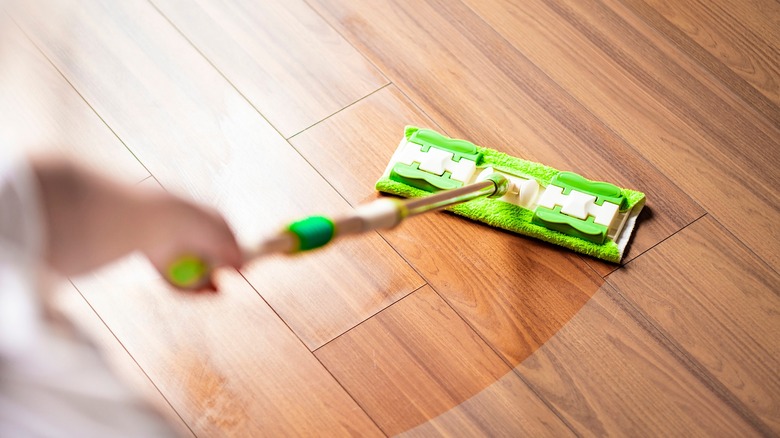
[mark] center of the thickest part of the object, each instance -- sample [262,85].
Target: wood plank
[472,82]
[225,361]
[418,359]
[716,38]
[686,77]
[200,138]
[762,17]
[606,375]
[70,303]
[500,410]
[587,52]
[603,372]
[719,303]
[749,129]
[221,386]
[41,113]
[368,133]
[515,291]
[292,66]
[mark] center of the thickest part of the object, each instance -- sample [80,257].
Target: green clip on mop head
[594,218]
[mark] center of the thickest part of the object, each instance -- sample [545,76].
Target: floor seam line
[344,38]
[233,86]
[340,110]
[132,357]
[376,66]
[370,317]
[656,244]
[84,99]
[512,369]
[303,344]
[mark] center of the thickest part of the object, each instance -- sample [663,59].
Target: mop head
[564,208]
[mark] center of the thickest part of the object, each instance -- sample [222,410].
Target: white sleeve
[52,382]
[21,227]
[21,253]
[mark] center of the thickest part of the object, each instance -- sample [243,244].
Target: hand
[186,229]
[91,220]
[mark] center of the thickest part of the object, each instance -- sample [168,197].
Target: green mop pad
[563,208]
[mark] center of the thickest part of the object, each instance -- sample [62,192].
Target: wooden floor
[270,110]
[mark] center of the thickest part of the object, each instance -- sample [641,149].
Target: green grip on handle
[187,271]
[312,232]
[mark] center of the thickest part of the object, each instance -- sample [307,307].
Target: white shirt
[53,383]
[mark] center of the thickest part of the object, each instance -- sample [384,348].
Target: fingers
[224,244]
[191,241]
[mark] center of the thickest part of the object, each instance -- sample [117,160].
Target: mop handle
[190,271]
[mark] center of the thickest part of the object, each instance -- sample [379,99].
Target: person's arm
[90,220]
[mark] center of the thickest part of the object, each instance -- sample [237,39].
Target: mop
[436,172]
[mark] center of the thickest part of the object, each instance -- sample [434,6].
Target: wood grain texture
[225,361]
[200,138]
[585,51]
[683,85]
[762,17]
[606,375]
[714,37]
[472,82]
[418,359]
[515,291]
[368,134]
[41,113]
[292,66]
[500,410]
[719,303]
[67,300]
[678,100]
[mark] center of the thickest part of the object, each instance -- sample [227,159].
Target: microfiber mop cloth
[563,208]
